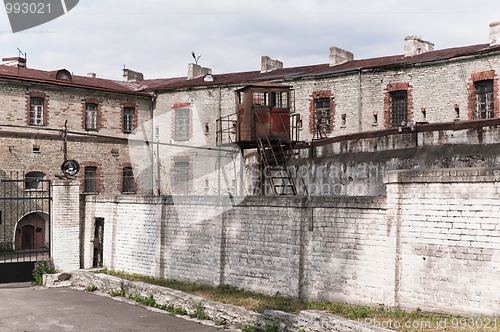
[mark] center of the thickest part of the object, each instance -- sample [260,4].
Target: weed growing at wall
[43,266]
[91,289]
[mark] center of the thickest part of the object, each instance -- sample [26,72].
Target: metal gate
[24,224]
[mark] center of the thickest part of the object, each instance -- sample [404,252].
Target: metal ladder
[273,158]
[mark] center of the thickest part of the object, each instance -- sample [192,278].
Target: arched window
[33,180]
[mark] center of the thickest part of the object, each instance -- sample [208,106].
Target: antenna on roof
[20,52]
[195,57]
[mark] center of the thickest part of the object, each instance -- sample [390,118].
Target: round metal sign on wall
[70,168]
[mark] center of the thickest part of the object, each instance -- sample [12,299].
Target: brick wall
[448,238]
[361,250]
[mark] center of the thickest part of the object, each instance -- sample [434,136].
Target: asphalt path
[27,308]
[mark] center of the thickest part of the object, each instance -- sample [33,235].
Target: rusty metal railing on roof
[227,129]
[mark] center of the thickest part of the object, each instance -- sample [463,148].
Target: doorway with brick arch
[31,232]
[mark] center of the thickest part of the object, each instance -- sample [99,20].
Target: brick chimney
[267,64]
[339,56]
[195,71]
[495,33]
[132,76]
[14,62]
[415,45]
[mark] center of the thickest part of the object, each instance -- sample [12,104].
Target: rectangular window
[181,176]
[128,119]
[485,102]
[90,180]
[399,108]
[260,98]
[241,97]
[280,99]
[322,114]
[36,111]
[128,180]
[182,125]
[90,116]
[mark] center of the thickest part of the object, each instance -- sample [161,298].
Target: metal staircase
[273,157]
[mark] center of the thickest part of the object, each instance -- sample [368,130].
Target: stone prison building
[395,168]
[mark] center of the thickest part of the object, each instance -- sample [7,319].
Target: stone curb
[306,320]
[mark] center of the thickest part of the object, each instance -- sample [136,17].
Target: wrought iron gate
[25,201]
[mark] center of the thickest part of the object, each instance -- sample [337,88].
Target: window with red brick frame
[483,96]
[321,112]
[37,109]
[91,114]
[398,105]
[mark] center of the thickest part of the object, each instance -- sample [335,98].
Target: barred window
[182,124]
[485,101]
[128,180]
[280,99]
[90,116]
[260,98]
[36,111]
[399,108]
[33,180]
[128,119]
[322,114]
[181,176]
[90,180]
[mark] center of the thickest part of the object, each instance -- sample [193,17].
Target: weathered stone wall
[411,249]
[447,232]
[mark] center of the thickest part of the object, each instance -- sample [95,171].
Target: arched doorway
[30,232]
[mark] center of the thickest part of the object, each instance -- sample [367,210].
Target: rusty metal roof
[84,82]
[318,70]
[251,77]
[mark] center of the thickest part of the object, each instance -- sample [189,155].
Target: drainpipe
[360,113]
[153,106]
[219,152]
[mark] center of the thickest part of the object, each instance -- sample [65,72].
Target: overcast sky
[156,37]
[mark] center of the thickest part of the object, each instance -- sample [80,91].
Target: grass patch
[91,288]
[381,316]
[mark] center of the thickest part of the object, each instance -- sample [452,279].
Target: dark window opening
[181,176]
[241,97]
[485,102]
[399,108]
[90,116]
[90,180]
[36,111]
[128,180]
[182,124]
[128,119]
[322,114]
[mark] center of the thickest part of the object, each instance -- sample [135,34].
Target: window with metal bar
[181,176]
[128,119]
[322,114]
[182,125]
[36,111]
[260,98]
[90,180]
[128,180]
[485,102]
[90,116]
[399,108]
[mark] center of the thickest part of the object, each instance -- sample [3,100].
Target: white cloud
[157,37]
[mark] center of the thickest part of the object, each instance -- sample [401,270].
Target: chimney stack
[91,75]
[195,71]
[339,56]
[14,62]
[415,45]
[132,76]
[267,64]
[495,33]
